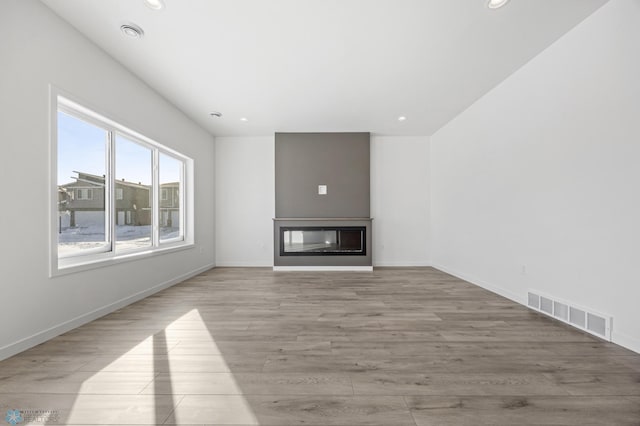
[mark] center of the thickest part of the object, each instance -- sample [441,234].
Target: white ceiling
[324,65]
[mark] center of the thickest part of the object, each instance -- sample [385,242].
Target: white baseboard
[625,341]
[521,299]
[400,264]
[48,334]
[243,264]
[323,268]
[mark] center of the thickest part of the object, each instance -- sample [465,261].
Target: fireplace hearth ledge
[323,268]
[308,219]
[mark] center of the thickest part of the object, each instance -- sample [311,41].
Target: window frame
[68,104]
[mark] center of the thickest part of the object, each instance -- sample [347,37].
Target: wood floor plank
[71,409]
[249,384]
[455,384]
[597,383]
[100,383]
[519,410]
[285,410]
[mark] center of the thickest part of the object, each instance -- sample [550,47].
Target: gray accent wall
[339,160]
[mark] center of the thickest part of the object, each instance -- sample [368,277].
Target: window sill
[86,263]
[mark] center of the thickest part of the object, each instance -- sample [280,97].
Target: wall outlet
[322,189]
[523,269]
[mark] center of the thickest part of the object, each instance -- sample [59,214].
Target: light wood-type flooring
[393,347]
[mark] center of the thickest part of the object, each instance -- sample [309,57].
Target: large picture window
[118,193]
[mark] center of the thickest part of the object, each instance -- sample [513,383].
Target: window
[133,165]
[117,193]
[84,194]
[81,146]
[170,207]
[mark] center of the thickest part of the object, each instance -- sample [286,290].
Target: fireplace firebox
[323,241]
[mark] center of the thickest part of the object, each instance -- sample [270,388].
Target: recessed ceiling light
[132,30]
[496,4]
[402,118]
[215,114]
[244,119]
[154,4]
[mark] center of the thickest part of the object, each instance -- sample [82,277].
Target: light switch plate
[322,189]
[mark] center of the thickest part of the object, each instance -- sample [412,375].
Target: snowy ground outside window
[128,237]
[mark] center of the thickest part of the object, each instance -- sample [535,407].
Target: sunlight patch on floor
[181,388]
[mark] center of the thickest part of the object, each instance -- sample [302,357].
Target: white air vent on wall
[577,316]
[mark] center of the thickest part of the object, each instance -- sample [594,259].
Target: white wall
[245,200]
[400,200]
[39,49]
[543,172]
[245,197]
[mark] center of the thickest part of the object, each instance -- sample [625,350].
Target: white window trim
[58,99]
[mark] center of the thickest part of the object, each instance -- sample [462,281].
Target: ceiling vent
[132,30]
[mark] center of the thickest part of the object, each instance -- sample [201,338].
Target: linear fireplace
[323,241]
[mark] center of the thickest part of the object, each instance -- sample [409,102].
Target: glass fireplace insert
[323,241]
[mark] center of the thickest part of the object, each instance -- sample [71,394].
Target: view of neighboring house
[169,204]
[82,203]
